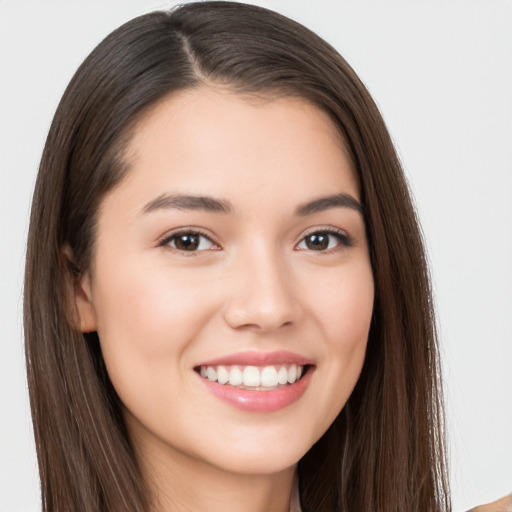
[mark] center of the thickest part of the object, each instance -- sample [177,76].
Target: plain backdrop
[440,71]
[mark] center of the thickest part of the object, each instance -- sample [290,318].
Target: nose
[261,295]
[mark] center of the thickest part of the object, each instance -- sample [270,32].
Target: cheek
[345,305]
[146,320]
[134,301]
[344,313]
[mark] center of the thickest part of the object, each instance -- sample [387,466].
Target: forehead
[213,141]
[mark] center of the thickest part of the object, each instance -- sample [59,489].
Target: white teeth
[253,376]
[235,377]
[211,374]
[269,377]
[282,375]
[222,375]
[292,374]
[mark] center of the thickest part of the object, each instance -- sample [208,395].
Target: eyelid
[165,240]
[345,240]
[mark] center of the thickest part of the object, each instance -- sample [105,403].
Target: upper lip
[255,358]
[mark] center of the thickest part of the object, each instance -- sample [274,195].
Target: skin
[253,285]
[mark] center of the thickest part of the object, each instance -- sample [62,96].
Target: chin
[262,455]
[262,463]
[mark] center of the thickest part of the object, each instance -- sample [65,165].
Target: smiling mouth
[255,378]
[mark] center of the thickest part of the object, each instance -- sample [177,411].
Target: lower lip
[257,400]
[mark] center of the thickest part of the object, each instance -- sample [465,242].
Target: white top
[295,500]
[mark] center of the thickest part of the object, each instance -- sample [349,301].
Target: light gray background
[441,72]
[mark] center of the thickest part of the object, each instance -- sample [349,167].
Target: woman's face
[233,251]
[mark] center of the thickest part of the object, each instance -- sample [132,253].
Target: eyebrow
[209,204]
[326,203]
[186,202]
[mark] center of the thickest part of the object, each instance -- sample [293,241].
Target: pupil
[187,242]
[319,241]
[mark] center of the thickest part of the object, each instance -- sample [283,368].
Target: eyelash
[191,232]
[343,239]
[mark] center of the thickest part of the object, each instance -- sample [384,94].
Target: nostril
[265,304]
[261,320]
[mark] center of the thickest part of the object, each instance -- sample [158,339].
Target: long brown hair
[385,451]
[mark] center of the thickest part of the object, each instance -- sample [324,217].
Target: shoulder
[502,505]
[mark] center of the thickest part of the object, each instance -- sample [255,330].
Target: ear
[80,292]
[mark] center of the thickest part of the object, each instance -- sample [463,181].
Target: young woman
[227,305]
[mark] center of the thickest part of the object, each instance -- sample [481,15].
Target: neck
[180,483]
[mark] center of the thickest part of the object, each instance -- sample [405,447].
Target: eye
[189,241]
[324,240]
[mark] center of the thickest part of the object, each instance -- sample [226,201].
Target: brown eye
[317,241]
[323,241]
[190,242]
[187,242]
